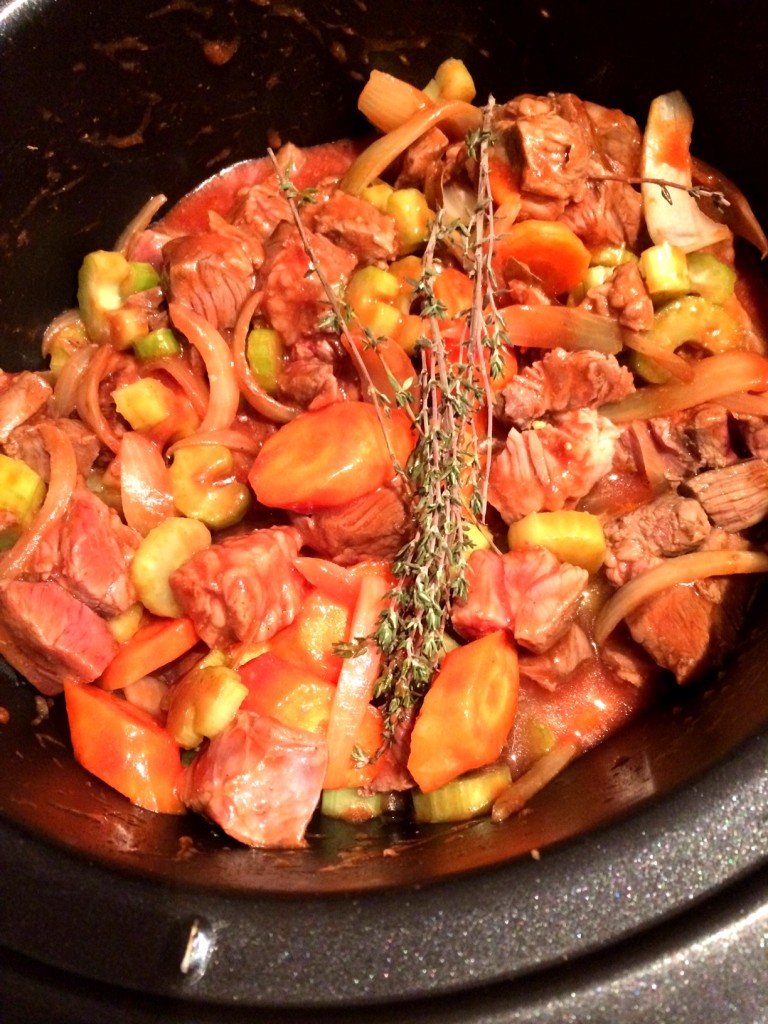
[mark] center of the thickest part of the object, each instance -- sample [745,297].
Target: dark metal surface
[645,843]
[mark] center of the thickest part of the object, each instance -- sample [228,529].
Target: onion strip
[89,398]
[523,789]
[380,154]
[684,569]
[224,394]
[66,388]
[191,383]
[388,101]
[61,484]
[145,489]
[561,327]
[667,360]
[713,378]
[745,405]
[233,439]
[256,396]
[139,223]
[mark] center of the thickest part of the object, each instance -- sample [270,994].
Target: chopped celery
[203,703]
[160,342]
[467,797]
[352,804]
[710,277]
[144,403]
[371,284]
[574,537]
[665,270]
[103,280]
[412,217]
[142,276]
[264,352]
[378,195]
[611,256]
[164,550]
[593,278]
[22,492]
[204,486]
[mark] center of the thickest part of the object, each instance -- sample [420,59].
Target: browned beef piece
[242,588]
[420,158]
[21,396]
[549,467]
[50,637]
[550,668]
[357,226]
[26,443]
[392,775]
[754,432]
[734,497]
[564,380]
[211,273]
[258,780]
[261,208]
[528,592]
[638,540]
[315,373]
[89,552]
[694,439]
[628,661]
[373,526]
[294,299]
[624,297]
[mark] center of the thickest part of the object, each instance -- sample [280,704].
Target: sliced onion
[738,215]
[653,463]
[255,395]
[224,394]
[523,789]
[145,489]
[684,569]
[666,157]
[745,405]
[235,440]
[89,397]
[63,323]
[715,377]
[66,388]
[138,223]
[61,484]
[191,383]
[646,345]
[561,327]
[380,154]
[388,101]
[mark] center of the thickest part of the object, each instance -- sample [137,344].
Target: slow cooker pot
[645,855]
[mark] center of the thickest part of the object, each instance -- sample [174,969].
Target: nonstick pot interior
[103,105]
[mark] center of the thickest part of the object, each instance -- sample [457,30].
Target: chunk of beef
[628,661]
[258,780]
[640,539]
[564,380]
[294,299]
[420,158]
[624,297]
[261,208]
[693,439]
[89,552]
[50,637]
[357,226]
[373,526]
[609,213]
[553,666]
[528,592]
[211,273]
[315,373]
[392,775]
[753,431]
[734,497]
[242,588]
[549,467]
[21,396]
[26,443]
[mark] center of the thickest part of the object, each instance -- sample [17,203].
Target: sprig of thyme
[719,199]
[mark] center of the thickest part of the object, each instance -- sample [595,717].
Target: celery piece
[574,537]
[467,797]
[454,81]
[412,217]
[371,284]
[710,277]
[22,492]
[611,256]
[142,276]
[203,703]
[102,282]
[144,403]
[160,342]
[264,351]
[665,270]
[593,278]
[204,486]
[352,804]
[164,550]
[377,195]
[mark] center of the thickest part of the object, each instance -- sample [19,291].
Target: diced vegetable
[303,466]
[309,641]
[575,537]
[203,704]
[454,290]
[158,343]
[611,256]
[124,747]
[467,712]
[353,805]
[550,249]
[265,353]
[412,217]
[408,271]
[145,403]
[204,485]
[141,277]
[164,550]
[710,277]
[155,645]
[665,270]
[127,623]
[103,282]
[467,797]
[378,194]
[22,492]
